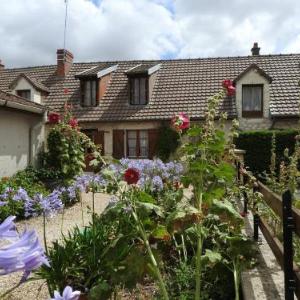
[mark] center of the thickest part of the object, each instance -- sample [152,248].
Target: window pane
[142,91]
[136,93]
[87,93]
[93,93]
[252,98]
[144,145]
[24,94]
[131,143]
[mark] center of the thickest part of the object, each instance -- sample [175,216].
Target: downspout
[31,132]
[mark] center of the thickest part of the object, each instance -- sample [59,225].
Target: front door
[97,137]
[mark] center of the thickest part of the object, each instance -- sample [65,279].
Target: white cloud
[32,30]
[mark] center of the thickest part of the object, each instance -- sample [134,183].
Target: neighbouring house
[21,132]
[122,104]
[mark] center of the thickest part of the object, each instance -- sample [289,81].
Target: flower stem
[198,268]
[152,258]
[236,282]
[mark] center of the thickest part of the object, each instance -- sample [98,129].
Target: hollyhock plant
[73,123]
[131,176]
[67,294]
[54,118]
[228,86]
[180,122]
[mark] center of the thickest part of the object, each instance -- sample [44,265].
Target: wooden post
[288,253]
[255,215]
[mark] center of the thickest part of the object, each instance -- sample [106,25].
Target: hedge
[258,147]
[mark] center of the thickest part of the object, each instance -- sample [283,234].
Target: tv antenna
[66,21]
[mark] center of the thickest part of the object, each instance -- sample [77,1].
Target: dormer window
[141,79]
[24,94]
[88,93]
[139,90]
[252,101]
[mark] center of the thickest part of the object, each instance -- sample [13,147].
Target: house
[121,104]
[21,132]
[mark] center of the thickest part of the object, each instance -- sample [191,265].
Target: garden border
[290,217]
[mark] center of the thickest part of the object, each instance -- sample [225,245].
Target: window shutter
[118,144]
[99,140]
[153,135]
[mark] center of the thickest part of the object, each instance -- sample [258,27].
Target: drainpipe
[31,136]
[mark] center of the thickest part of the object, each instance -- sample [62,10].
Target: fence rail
[290,218]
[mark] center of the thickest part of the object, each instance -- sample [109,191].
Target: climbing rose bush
[54,118]
[229,87]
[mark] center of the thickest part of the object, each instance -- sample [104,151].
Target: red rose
[243,214]
[73,123]
[131,176]
[226,83]
[230,91]
[54,118]
[66,91]
[180,122]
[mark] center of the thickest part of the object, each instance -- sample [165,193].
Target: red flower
[66,91]
[54,118]
[180,122]
[243,214]
[131,176]
[230,91]
[226,83]
[73,123]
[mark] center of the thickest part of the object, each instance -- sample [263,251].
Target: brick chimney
[255,49]
[64,62]
[1,66]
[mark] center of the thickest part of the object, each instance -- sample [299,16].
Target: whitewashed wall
[23,84]
[15,146]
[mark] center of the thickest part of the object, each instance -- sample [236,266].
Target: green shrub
[168,142]
[258,147]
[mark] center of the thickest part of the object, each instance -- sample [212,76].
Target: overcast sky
[32,30]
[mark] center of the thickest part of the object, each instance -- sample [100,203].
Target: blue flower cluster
[153,173]
[54,202]
[25,252]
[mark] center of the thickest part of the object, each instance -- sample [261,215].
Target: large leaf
[161,233]
[145,208]
[182,218]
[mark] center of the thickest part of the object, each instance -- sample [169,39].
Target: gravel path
[72,216]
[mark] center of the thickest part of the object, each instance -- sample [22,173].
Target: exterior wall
[109,127]
[103,83]
[292,123]
[23,84]
[152,80]
[16,131]
[253,77]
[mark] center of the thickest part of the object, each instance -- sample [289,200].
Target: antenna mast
[65,28]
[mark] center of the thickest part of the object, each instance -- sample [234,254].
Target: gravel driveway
[72,216]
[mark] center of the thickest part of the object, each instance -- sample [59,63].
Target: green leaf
[145,197]
[149,208]
[212,256]
[161,233]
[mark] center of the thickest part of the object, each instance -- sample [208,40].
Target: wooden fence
[290,218]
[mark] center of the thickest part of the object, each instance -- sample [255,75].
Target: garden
[171,229]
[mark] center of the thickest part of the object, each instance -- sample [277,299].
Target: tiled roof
[140,69]
[9,98]
[180,85]
[92,72]
[38,85]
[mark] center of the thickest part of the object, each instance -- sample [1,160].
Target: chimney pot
[64,62]
[255,49]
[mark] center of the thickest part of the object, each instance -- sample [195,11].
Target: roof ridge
[160,60]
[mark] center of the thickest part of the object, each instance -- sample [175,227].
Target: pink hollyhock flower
[73,123]
[131,176]
[230,91]
[180,122]
[226,83]
[54,118]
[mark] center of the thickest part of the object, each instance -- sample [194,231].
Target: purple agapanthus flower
[52,203]
[67,294]
[157,183]
[2,203]
[8,228]
[20,195]
[26,254]
[7,192]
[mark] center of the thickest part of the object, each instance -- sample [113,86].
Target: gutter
[20,106]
